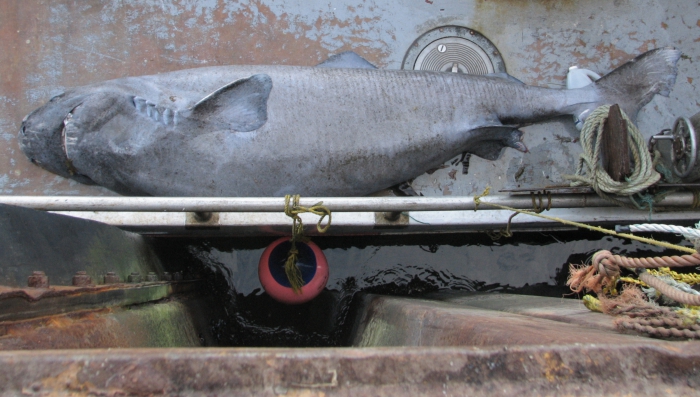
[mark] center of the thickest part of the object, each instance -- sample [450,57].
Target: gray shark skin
[344,128]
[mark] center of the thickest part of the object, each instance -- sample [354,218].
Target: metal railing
[336,204]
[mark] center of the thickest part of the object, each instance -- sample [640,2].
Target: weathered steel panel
[23,303]
[168,324]
[60,246]
[50,45]
[394,321]
[589,370]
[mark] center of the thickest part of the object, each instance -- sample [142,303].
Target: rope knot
[477,198]
[604,261]
[292,209]
[602,273]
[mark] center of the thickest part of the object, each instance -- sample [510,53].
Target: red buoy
[311,262]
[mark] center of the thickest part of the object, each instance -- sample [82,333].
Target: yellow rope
[633,281]
[592,303]
[477,202]
[691,279]
[293,210]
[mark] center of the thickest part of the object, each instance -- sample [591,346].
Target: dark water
[243,315]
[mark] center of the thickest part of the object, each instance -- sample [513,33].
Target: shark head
[41,135]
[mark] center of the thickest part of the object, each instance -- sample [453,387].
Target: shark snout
[40,135]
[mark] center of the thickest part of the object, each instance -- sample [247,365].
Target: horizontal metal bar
[365,223]
[336,204]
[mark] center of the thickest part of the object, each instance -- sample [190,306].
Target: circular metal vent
[454,49]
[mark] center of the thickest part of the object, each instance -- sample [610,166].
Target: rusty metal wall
[581,370]
[49,45]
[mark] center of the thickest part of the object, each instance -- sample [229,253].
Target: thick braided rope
[670,291]
[688,232]
[659,331]
[608,264]
[589,172]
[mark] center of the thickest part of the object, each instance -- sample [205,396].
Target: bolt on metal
[111,278]
[203,216]
[167,276]
[392,216]
[442,48]
[177,276]
[38,279]
[151,277]
[81,279]
[135,277]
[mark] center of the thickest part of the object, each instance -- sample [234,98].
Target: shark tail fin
[635,83]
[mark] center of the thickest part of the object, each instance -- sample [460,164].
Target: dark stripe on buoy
[306,262]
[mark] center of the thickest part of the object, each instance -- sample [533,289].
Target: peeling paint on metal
[62,43]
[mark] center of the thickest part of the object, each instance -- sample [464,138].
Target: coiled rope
[590,172]
[605,271]
[292,209]
[647,318]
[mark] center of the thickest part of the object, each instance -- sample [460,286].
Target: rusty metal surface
[21,303]
[582,370]
[558,309]
[168,324]
[51,45]
[396,321]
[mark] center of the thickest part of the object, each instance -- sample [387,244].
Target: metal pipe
[336,204]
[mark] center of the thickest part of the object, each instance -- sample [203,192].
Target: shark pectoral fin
[241,104]
[346,60]
[493,139]
[489,150]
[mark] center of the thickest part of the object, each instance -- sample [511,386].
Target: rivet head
[111,278]
[38,279]
[135,277]
[81,279]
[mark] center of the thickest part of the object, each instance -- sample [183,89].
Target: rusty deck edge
[19,306]
[580,369]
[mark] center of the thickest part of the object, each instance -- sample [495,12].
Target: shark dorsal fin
[346,60]
[241,104]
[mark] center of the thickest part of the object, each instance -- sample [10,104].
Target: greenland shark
[342,128]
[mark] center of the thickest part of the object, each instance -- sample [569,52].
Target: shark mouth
[69,137]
